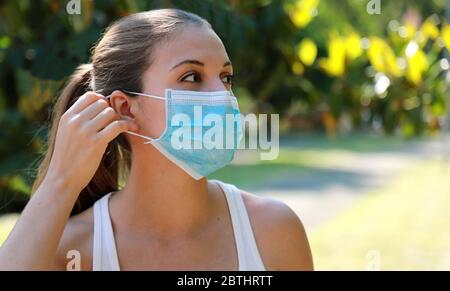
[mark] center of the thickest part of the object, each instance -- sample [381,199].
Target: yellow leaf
[335,63]
[353,46]
[307,51]
[375,54]
[417,65]
[445,33]
[302,11]
[383,58]
[408,31]
[429,28]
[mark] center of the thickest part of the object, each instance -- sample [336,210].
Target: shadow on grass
[357,143]
[289,177]
[310,162]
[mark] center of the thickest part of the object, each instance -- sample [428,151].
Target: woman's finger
[103,119]
[115,128]
[94,109]
[84,101]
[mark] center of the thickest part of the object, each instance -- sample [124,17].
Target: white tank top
[104,247]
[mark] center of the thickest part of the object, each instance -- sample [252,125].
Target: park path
[319,197]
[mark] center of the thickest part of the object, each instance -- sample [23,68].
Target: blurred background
[361,87]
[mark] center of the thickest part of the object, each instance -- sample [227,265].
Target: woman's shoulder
[280,235]
[75,247]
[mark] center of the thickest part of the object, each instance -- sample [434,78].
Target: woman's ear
[122,104]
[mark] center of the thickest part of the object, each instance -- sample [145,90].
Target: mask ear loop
[150,140]
[146,95]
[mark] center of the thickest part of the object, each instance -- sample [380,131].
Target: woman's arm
[33,242]
[83,134]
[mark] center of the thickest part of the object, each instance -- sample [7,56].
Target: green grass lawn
[405,226]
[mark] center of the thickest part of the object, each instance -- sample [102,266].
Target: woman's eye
[192,78]
[228,79]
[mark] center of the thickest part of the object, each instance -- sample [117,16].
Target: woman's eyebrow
[192,62]
[196,62]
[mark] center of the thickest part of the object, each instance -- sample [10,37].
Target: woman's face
[194,59]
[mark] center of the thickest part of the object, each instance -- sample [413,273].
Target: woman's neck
[162,197]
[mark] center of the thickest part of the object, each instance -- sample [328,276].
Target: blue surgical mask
[203,130]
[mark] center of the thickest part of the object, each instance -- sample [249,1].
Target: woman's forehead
[191,43]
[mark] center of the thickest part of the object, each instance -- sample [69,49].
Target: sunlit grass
[6,224]
[406,226]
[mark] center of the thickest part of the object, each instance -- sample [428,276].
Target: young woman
[168,216]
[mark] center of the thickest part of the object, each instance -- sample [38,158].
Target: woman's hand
[83,134]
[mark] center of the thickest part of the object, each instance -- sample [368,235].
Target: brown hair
[118,62]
